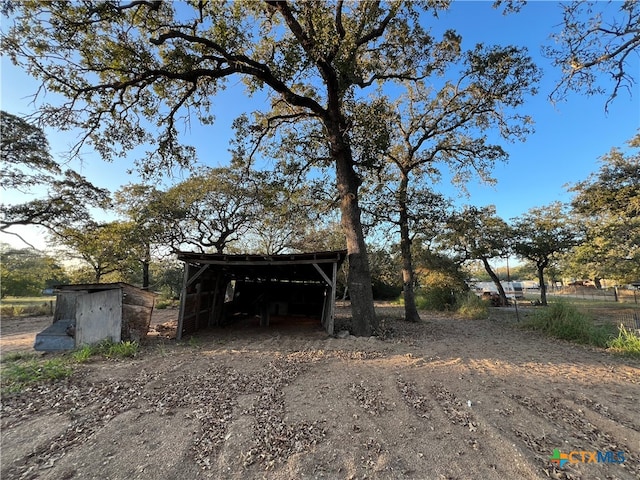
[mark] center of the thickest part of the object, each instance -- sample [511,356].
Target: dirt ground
[445,399]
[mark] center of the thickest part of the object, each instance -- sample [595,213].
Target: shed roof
[292,267]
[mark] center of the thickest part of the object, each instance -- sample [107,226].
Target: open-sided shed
[218,288]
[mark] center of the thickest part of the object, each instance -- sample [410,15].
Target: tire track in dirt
[568,426]
[466,433]
[282,405]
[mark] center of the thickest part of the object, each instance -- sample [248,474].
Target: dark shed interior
[219,289]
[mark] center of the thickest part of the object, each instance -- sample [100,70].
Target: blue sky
[569,137]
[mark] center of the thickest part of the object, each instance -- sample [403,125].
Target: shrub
[162,304]
[564,321]
[435,298]
[626,343]
[472,306]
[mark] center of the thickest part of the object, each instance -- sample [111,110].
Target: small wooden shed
[219,288]
[90,313]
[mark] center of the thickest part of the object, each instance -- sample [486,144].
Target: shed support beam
[324,275]
[328,308]
[183,301]
[332,301]
[197,275]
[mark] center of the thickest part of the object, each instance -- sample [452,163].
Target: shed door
[99,317]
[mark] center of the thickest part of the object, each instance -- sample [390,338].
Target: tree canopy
[608,204]
[594,43]
[136,73]
[26,164]
[479,234]
[446,128]
[127,66]
[26,160]
[105,247]
[541,235]
[27,272]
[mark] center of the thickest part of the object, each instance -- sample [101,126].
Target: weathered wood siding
[137,308]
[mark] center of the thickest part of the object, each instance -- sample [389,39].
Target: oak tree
[596,47]
[132,72]
[211,209]
[104,247]
[541,235]
[436,128]
[608,206]
[140,205]
[479,234]
[27,167]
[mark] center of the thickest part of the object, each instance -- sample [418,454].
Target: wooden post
[183,301]
[198,311]
[332,300]
[264,312]
[218,301]
[328,312]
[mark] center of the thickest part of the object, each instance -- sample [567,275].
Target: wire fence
[593,294]
[631,321]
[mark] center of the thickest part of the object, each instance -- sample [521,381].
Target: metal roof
[289,267]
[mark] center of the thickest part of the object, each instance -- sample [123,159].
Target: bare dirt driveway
[445,399]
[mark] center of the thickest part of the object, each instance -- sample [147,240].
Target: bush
[626,343]
[564,321]
[472,306]
[163,303]
[435,298]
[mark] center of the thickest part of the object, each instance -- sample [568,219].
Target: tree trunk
[543,287]
[410,310]
[345,272]
[496,281]
[145,275]
[146,262]
[363,314]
